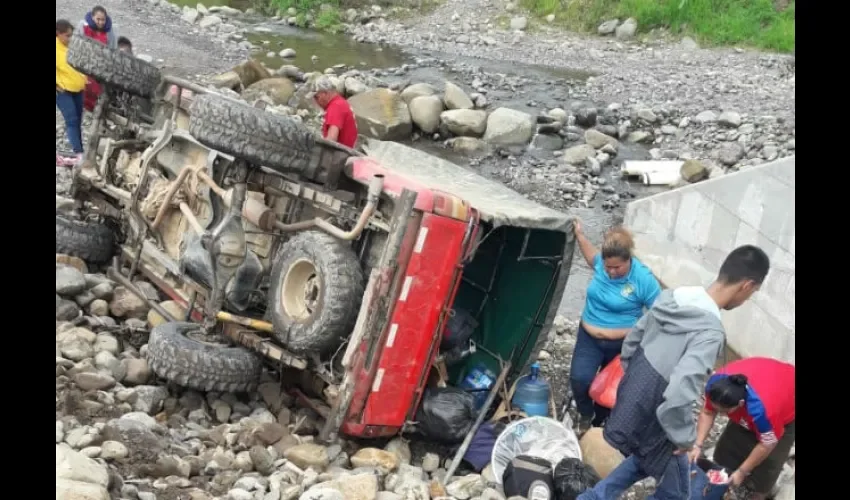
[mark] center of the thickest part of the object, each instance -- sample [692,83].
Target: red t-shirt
[771,396]
[338,114]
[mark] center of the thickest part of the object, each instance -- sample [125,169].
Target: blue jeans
[589,356]
[70,104]
[673,485]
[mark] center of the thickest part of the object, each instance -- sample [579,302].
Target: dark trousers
[590,355]
[70,104]
[735,445]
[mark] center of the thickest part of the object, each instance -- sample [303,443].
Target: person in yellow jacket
[70,84]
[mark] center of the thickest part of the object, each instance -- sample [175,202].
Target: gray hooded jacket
[667,358]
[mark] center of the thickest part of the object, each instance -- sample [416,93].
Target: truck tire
[260,137]
[196,364]
[93,242]
[316,286]
[113,67]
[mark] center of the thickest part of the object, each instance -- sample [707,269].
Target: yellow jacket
[67,78]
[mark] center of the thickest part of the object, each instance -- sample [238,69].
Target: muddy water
[548,88]
[329,50]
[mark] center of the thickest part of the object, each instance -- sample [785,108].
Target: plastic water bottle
[479,380]
[532,394]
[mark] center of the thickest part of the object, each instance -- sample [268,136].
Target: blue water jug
[479,380]
[532,394]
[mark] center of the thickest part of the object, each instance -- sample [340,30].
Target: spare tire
[260,137]
[316,286]
[94,242]
[113,67]
[189,362]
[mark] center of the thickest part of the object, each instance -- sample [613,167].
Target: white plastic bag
[536,436]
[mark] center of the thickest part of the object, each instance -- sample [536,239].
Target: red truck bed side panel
[407,354]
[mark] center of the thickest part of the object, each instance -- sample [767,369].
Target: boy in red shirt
[339,124]
[759,396]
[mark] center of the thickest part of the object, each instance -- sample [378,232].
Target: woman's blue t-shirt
[619,303]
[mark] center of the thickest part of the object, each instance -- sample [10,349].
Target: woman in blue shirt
[619,291]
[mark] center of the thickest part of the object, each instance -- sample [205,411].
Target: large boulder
[425,112]
[466,122]
[78,477]
[279,89]
[508,127]
[382,114]
[597,453]
[245,74]
[411,92]
[455,98]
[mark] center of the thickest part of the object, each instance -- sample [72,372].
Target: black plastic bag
[572,478]
[459,329]
[446,414]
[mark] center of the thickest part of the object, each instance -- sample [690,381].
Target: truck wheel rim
[302,287]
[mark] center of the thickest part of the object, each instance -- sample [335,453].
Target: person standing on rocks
[70,84]
[339,124]
[97,25]
[666,360]
[619,291]
[759,396]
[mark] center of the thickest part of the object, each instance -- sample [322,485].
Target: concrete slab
[683,236]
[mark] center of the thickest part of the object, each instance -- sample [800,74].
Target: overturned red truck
[339,269]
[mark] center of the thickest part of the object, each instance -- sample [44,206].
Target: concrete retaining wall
[683,236]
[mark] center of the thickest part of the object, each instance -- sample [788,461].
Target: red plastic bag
[603,390]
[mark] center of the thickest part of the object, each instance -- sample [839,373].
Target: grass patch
[324,13]
[755,23]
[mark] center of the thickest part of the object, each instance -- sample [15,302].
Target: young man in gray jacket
[667,358]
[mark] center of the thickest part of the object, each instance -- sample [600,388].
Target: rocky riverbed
[726,108]
[123,433]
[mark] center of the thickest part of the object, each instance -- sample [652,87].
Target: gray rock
[287,53]
[508,127]
[150,398]
[464,122]
[577,155]
[639,136]
[627,30]
[455,98]
[210,21]
[93,381]
[69,281]
[66,310]
[425,112]
[608,27]
[729,119]
[519,23]
[190,15]
[598,139]
[730,153]
[693,171]
[706,117]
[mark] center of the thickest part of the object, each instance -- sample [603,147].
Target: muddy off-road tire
[250,133]
[94,242]
[316,286]
[195,364]
[113,67]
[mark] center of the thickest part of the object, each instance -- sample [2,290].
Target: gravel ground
[156,30]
